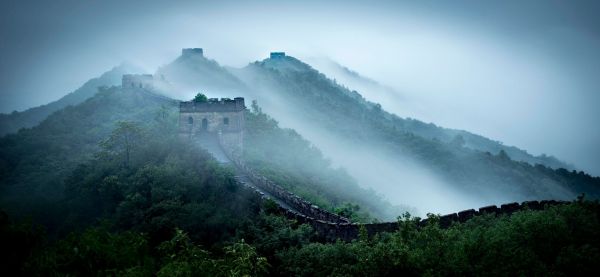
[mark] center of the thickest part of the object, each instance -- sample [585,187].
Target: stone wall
[330,227]
[303,207]
[233,141]
[224,116]
[192,122]
[331,231]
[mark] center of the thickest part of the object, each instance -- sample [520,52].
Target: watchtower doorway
[204,124]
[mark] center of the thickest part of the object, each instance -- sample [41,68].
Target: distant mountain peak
[281,61]
[33,116]
[192,71]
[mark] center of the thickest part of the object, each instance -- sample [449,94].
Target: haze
[521,72]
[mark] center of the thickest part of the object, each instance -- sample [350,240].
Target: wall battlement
[213,105]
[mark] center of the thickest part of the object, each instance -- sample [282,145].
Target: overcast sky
[522,72]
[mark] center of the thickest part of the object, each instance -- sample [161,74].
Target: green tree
[96,251]
[183,258]
[124,139]
[200,98]
[241,259]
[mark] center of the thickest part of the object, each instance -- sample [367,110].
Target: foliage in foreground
[148,205]
[561,240]
[558,241]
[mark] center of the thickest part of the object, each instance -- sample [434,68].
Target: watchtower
[222,118]
[277,55]
[192,52]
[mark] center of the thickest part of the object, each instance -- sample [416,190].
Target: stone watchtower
[214,119]
[277,55]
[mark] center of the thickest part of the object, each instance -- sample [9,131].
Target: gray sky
[521,72]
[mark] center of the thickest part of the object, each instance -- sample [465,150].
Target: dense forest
[560,240]
[106,187]
[286,88]
[331,108]
[129,198]
[337,119]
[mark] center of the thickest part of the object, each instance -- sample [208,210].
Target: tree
[200,98]
[241,259]
[123,140]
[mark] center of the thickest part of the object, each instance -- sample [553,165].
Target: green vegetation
[11,123]
[200,98]
[106,188]
[283,156]
[559,241]
[327,106]
[34,163]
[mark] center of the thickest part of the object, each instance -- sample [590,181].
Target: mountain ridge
[10,123]
[345,125]
[355,80]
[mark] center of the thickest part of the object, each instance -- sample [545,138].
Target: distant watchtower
[277,55]
[192,52]
[223,119]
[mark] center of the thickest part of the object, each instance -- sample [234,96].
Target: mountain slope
[191,72]
[360,135]
[34,162]
[376,147]
[386,96]
[10,123]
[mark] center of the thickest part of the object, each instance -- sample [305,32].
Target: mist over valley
[299,138]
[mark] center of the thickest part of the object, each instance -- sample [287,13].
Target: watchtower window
[190,120]
[226,120]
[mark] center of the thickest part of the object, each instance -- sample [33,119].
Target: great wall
[330,226]
[221,133]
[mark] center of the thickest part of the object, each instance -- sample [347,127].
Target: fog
[521,72]
[400,180]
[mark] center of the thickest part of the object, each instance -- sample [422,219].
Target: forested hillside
[35,162]
[109,189]
[390,97]
[10,123]
[412,157]
[331,108]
